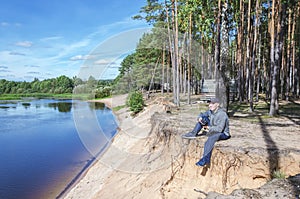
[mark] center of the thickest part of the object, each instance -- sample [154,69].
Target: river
[44,145]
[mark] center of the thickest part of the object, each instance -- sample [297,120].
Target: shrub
[135,101]
[102,92]
[278,174]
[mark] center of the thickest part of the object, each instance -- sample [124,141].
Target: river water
[44,145]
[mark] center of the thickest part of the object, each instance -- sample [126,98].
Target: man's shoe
[190,135]
[201,163]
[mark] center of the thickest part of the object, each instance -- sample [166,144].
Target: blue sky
[46,39]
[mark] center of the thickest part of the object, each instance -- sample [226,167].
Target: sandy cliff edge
[133,166]
[131,131]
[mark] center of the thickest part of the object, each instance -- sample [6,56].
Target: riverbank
[131,132]
[148,158]
[113,102]
[116,101]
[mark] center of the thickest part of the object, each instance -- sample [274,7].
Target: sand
[127,170]
[131,131]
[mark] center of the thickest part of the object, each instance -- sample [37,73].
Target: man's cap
[214,100]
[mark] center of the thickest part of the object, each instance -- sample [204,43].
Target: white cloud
[51,38]
[104,61]
[7,76]
[4,71]
[32,66]
[65,50]
[4,23]
[79,57]
[17,53]
[24,44]
[33,72]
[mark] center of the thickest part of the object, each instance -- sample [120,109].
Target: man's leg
[193,133]
[208,147]
[223,136]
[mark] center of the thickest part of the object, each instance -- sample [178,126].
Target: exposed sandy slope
[148,158]
[118,159]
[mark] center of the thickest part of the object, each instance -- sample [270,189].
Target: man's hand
[199,119]
[201,122]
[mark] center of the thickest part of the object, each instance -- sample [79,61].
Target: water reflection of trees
[8,104]
[67,106]
[26,104]
[61,106]
[97,106]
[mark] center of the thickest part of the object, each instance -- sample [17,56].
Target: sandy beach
[132,132]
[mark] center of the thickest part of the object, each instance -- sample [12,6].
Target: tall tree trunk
[298,44]
[293,61]
[181,65]
[259,74]
[272,111]
[224,83]
[218,50]
[254,48]
[163,70]
[280,42]
[189,61]
[294,43]
[204,69]
[177,57]
[239,62]
[278,14]
[283,72]
[250,44]
[172,46]
[168,75]
[288,68]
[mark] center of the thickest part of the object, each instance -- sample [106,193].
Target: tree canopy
[253,44]
[58,85]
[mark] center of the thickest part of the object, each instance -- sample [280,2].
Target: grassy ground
[45,95]
[262,108]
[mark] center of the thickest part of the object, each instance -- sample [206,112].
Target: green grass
[103,97]
[261,110]
[21,96]
[278,174]
[260,106]
[117,108]
[290,108]
[46,95]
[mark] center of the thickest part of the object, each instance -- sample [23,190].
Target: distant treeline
[58,85]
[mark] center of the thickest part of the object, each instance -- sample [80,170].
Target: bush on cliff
[135,101]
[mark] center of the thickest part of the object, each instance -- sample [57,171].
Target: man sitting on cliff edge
[216,122]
